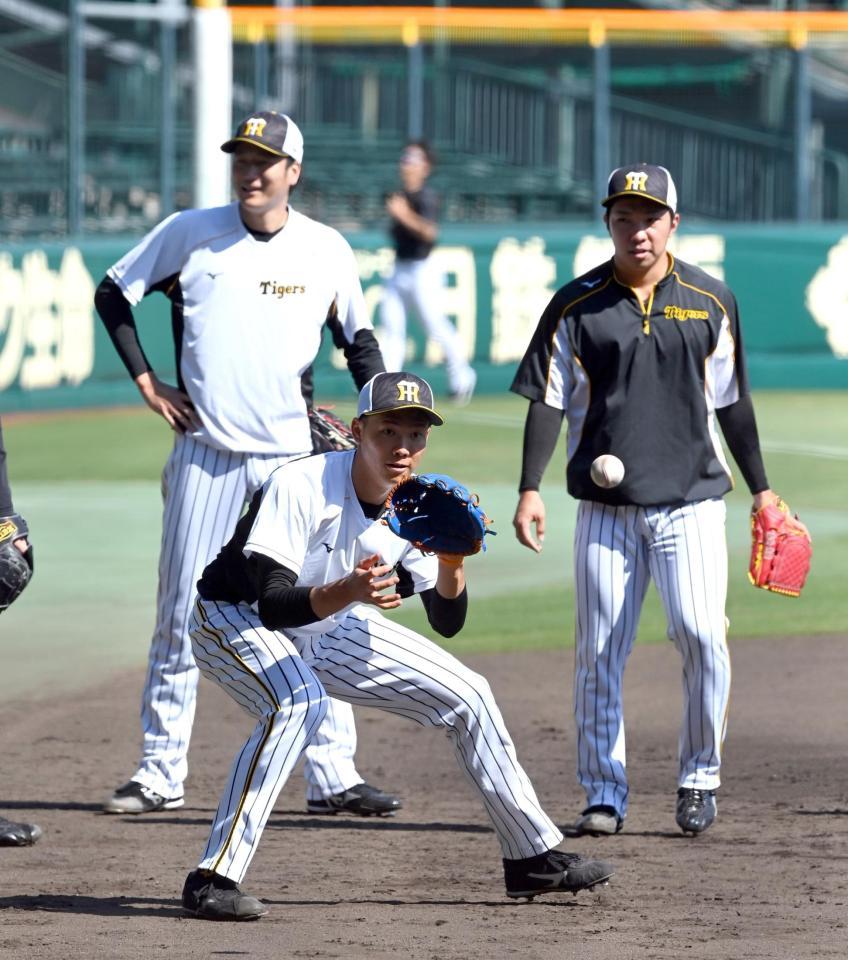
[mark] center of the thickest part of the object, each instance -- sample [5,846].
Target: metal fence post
[802,132]
[76,117]
[600,106]
[415,81]
[167,111]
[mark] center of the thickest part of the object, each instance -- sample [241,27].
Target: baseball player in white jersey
[290,612]
[638,355]
[415,280]
[252,285]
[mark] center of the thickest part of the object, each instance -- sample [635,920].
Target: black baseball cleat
[135,798]
[212,897]
[18,834]
[597,821]
[554,872]
[363,800]
[696,809]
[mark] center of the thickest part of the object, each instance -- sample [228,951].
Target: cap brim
[431,415]
[230,146]
[638,196]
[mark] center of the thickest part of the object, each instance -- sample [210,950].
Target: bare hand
[530,511]
[397,206]
[365,584]
[763,498]
[371,578]
[174,406]
[22,544]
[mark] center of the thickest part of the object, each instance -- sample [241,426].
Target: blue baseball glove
[438,515]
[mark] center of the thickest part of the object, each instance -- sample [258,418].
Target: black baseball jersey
[409,245]
[640,381]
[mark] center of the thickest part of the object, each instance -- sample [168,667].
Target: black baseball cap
[271,131]
[397,391]
[645,180]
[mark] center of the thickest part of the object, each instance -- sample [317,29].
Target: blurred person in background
[416,283]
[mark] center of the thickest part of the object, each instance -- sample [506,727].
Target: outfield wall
[791,283]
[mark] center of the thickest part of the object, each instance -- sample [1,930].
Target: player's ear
[356,429]
[294,171]
[675,220]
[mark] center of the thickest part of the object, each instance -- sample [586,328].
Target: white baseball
[607,471]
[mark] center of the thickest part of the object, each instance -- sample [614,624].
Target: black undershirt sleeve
[739,426]
[541,432]
[115,312]
[363,356]
[281,603]
[6,508]
[446,617]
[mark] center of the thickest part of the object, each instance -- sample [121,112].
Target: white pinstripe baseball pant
[204,492]
[616,551]
[370,661]
[415,285]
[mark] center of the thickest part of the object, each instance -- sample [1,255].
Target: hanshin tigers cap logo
[397,391]
[644,180]
[271,131]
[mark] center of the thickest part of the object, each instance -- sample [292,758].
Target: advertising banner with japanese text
[791,283]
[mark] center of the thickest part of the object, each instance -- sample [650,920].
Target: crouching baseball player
[290,613]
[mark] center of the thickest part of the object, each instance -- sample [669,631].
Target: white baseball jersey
[260,305]
[311,521]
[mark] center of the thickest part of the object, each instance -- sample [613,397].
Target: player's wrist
[764,498]
[450,560]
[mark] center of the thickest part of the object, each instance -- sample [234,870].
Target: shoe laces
[693,795]
[563,858]
[364,790]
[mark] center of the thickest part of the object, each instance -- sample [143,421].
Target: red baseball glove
[781,550]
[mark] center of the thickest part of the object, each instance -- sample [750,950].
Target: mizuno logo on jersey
[681,313]
[279,290]
[588,284]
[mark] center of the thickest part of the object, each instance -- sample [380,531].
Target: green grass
[88,484]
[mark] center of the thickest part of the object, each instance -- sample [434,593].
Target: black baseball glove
[438,515]
[15,567]
[329,432]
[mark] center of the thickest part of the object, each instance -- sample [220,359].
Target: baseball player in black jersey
[641,355]
[15,574]
[415,282]
[291,612]
[253,286]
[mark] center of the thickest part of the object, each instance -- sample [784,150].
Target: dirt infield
[768,881]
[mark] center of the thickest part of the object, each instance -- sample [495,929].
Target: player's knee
[473,697]
[696,639]
[312,699]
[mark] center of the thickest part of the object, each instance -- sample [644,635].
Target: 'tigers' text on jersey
[279,290]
